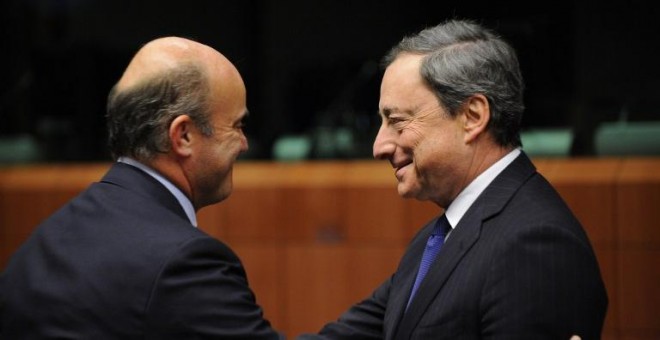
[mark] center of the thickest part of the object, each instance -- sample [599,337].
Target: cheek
[227,151]
[432,158]
[232,143]
[427,150]
[412,136]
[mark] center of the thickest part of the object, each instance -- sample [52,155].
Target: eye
[240,125]
[396,122]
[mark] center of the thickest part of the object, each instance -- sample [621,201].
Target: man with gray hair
[507,259]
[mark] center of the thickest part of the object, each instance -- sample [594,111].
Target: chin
[406,192]
[223,195]
[216,197]
[414,193]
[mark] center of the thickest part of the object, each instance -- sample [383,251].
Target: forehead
[403,87]
[406,64]
[227,93]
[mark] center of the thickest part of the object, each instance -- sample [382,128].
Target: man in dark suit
[124,259]
[507,259]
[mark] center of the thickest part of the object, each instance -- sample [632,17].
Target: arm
[362,321]
[544,284]
[202,292]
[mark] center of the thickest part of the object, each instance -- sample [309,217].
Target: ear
[181,136]
[477,116]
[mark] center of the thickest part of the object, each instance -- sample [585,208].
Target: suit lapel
[459,242]
[405,277]
[461,239]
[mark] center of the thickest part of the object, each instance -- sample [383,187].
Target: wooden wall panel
[588,187]
[252,214]
[213,220]
[317,286]
[639,335]
[374,215]
[639,202]
[638,295]
[317,237]
[638,248]
[544,165]
[23,211]
[264,265]
[287,213]
[323,281]
[313,214]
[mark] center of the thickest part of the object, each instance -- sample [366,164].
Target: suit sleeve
[362,321]
[202,292]
[545,284]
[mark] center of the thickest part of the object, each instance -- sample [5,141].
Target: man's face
[216,154]
[422,142]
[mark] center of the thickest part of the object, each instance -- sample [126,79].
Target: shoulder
[538,203]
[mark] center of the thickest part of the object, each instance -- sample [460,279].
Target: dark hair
[463,58]
[139,117]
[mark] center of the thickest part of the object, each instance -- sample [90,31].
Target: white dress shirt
[465,198]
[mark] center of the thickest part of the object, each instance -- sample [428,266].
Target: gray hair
[139,117]
[463,58]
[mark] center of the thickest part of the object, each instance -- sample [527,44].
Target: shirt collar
[178,194]
[465,198]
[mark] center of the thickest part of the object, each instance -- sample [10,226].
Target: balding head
[178,108]
[166,78]
[165,55]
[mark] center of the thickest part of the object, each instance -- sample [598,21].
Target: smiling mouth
[400,170]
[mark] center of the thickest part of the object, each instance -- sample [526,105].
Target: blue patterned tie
[433,246]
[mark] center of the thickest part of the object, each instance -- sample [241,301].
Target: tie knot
[442,226]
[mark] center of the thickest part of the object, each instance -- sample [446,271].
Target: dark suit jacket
[122,261]
[517,266]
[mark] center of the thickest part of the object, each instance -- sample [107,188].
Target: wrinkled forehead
[402,78]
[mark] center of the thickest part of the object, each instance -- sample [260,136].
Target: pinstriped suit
[517,266]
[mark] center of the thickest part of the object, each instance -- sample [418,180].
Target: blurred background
[312,70]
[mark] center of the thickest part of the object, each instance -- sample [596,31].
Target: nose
[384,143]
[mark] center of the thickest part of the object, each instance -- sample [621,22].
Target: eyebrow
[387,111]
[243,116]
